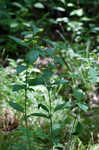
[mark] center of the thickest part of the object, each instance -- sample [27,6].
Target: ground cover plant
[49,75]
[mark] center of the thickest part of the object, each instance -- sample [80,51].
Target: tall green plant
[77,73]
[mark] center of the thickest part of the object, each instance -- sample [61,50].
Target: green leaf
[92,75]
[47,74]
[17,87]
[49,51]
[39,5]
[62,106]
[19,41]
[18,5]
[82,106]
[34,82]
[59,9]
[78,12]
[39,115]
[63,19]
[32,56]
[56,129]
[79,129]
[30,89]
[61,82]
[25,33]
[79,94]
[43,107]
[97,79]
[55,44]
[59,146]
[16,106]
[21,68]
[14,24]
[58,60]
[35,30]
[70,5]
[63,1]
[42,53]
[85,19]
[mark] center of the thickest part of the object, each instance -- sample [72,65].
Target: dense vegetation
[49,75]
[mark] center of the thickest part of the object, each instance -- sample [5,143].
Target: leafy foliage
[56,68]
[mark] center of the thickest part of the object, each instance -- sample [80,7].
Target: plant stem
[50,113]
[65,62]
[25,105]
[25,112]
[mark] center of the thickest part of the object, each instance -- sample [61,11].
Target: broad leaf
[16,107]
[63,19]
[49,51]
[78,12]
[17,87]
[39,115]
[34,82]
[83,107]
[38,5]
[32,56]
[61,82]
[36,30]
[79,129]
[59,9]
[79,94]
[21,68]
[59,146]
[43,107]
[58,60]
[92,75]
[56,129]
[63,1]
[19,41]
[47,74]
[62,106]
[70,5]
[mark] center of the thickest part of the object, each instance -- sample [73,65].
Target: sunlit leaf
[14,24]
[64,19]
[59,9]
[38,5]
[63,1]
[78,12]
[83,107]
[85,19]
[70,4]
